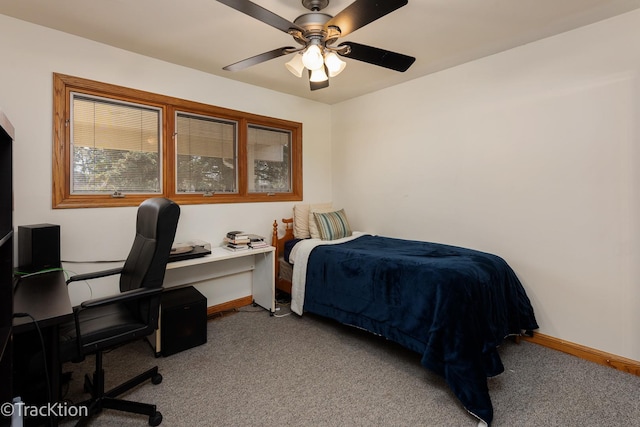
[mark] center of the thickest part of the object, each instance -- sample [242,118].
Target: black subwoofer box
[38,247]
[183,320]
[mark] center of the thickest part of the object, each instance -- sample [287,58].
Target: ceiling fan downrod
[315,5]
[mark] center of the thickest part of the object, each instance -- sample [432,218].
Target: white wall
[532,154]
[31,54]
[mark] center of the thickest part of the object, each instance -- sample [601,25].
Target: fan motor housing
[313,22]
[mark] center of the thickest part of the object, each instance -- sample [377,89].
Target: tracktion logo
[57,409]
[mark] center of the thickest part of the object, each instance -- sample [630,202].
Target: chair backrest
[155,230]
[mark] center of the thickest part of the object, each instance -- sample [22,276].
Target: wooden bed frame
[281,284]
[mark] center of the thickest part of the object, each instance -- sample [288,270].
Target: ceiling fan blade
[362,12]
[245,63]
[317,85]
[383,58]
[261,14]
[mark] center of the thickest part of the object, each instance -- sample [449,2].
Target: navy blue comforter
[452,305]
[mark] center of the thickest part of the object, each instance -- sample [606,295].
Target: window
[268,154]
[206,155]
[115,146]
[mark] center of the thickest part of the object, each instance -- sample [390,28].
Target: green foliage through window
[101,170]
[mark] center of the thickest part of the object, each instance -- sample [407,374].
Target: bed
[452,305]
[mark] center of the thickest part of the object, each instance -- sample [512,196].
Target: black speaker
[183,320]
[38,247]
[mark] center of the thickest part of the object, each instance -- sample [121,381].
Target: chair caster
[157,379]
[155,419]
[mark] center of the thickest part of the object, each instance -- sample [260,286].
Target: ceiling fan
[318,33]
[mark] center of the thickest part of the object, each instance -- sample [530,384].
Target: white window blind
[115,146]
[269,159]
[206,150]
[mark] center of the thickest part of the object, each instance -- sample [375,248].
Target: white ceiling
[207,35]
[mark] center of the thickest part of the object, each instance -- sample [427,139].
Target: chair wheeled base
[108,400]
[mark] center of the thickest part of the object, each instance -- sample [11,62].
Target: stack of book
[239,241]
[236,241]
[256,241]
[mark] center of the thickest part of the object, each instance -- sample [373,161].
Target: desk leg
[29,371]
[263,286]
[55,368]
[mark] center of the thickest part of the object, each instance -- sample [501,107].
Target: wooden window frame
[62,198]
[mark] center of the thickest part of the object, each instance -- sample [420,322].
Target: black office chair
[104,323]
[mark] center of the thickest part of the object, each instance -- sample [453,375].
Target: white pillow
[313,225]
[301,221]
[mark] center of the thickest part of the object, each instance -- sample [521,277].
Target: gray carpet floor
[257,370]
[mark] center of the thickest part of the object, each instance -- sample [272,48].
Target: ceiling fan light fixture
[334,64]
[295,65]
[318,75]
[317,33]
[312,58]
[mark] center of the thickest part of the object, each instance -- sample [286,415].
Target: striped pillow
[332,225]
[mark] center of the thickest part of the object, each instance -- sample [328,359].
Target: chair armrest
[94,275]
[126,296]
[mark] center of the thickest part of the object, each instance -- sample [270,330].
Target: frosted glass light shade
[334,64]
[295,65]
[312,58]
[318,76]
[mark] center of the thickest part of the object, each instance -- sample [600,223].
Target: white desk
[260,263]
